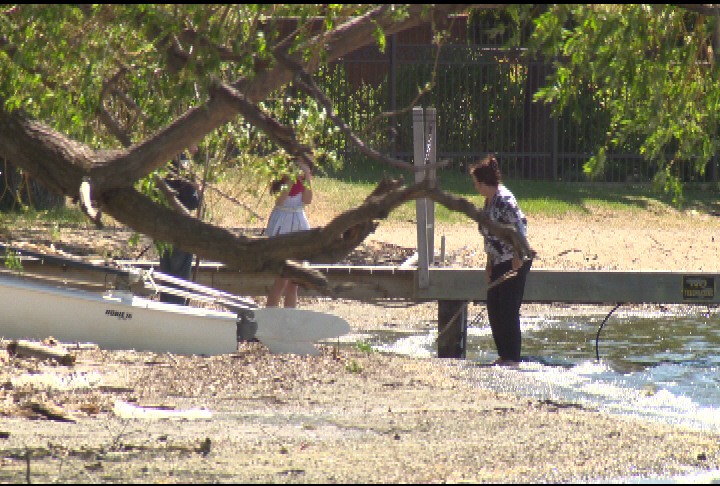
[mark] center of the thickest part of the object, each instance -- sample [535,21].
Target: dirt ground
[348,415]
[655,238]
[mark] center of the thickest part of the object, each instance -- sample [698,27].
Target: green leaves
[644,63]
[12,261]
[379,35]
[596,164]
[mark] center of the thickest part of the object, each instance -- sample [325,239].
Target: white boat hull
[32,311]
[124,321]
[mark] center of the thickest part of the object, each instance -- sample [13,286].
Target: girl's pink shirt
[297,188]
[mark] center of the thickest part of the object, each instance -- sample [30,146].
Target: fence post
[424,141]
[420,204]
[392,102]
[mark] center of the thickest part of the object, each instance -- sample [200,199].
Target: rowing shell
[29,310]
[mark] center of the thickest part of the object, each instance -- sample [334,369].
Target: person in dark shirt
[504,298]
[174,261]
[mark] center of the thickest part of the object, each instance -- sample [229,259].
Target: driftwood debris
[49,411]
[31,349]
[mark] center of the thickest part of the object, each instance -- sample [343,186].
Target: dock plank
[384,282]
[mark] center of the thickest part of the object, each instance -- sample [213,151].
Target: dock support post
[452,329]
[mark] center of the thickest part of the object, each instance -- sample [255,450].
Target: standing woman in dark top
[505,298]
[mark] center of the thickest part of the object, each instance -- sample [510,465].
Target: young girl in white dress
[288,216]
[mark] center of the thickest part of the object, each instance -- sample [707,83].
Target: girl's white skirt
[288,217]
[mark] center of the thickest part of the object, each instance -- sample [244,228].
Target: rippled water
[662,366]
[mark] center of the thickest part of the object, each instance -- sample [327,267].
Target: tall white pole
[430,157]
[419,147]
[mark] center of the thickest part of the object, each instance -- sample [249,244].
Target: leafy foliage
[645,74]
[145,65]
[652,68]
[161,78]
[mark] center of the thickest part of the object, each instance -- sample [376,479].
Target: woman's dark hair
[277,184]
[487,171]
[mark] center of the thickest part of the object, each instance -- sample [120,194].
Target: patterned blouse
[504,209]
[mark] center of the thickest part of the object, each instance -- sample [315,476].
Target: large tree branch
[61,164]
[57,161]
[283,136]
[65,160]
[326,244]
[141,159]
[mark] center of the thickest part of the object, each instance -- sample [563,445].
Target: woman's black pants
[503,306]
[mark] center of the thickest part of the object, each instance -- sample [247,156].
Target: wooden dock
[371,283]
[452,288]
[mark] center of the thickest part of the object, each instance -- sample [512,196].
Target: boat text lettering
[119,314]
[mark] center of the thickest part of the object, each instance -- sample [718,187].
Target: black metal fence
[483,94]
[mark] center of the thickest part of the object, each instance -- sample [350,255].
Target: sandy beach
[351,415]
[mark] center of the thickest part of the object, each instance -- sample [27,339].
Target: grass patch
[345,188]
[61,216]
[364,346]
[559,199]
[353,366]
[348,186]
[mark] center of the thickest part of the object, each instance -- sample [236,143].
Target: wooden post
[420,204]
[431,155]
[392,81]
[442,251]
[452,329]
